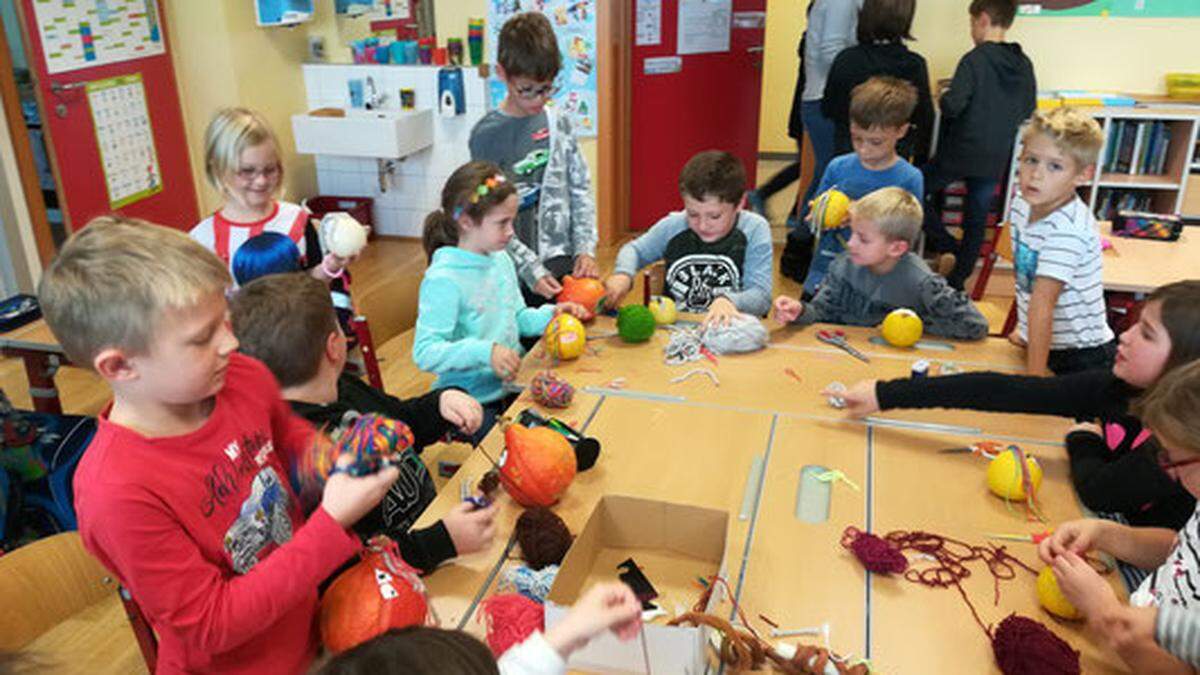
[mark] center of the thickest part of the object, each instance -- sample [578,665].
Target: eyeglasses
[532,92]
[249,173]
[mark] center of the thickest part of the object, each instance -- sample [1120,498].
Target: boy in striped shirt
[1056,248]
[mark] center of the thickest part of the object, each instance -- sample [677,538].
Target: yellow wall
[1129,55]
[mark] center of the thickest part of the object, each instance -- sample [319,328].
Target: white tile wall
[415,188]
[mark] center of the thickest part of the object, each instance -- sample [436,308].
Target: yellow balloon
[1004,476]
[830,208]
[902,328]
[1052,598]
[565,337]
[663,309]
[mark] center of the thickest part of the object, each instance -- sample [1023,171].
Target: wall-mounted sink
[385,134]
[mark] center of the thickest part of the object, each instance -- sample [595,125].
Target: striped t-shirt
[224,237]
[1065,246]
[1176,583]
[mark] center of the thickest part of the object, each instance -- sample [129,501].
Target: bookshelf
[1150,161]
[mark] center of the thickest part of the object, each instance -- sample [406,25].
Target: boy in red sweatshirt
[183,492]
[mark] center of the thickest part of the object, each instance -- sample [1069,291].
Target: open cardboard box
[673,544]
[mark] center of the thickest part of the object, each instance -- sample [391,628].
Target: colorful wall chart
[574,22]
[85,33]
[1122,8]
[125,138]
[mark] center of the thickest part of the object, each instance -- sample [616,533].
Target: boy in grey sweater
[878,273]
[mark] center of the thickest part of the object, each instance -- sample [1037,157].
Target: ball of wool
[510,618]
[875,553]
[543,536]
[744,334]
[550,390]
[1022,645]
[635,323]
[533,584]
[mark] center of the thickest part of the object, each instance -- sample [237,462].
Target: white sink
[385,134]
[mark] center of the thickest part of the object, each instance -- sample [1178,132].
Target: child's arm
[1145,547]
[922,119]
[948,312]
[1040,324]
[1109,482]
[609,606]
[434,348]
[464,529]
[582,207]
[755,295]
[530,268]
[638,253]
[954,102]
[832,302]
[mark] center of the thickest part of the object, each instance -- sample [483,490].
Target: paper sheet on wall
[125,138]
[648,22]
[1114,8]
[86,33]
[704,26]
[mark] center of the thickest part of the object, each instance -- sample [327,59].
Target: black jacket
[992,93]
[857,64]
[1117,474]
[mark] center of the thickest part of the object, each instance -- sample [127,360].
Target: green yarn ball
[635,323]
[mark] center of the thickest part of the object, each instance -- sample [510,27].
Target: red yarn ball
[876,554]
[510,617]
[1026,647]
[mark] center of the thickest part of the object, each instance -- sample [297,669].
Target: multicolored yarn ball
[377,594]
[543,536]
[876,554]
[550,390]
[533,584]
[635,323]
[565,337]
[537,465]
[1023,646]
[510,618]
[372,442]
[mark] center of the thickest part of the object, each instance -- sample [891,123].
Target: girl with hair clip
[470,314]
[1114,457]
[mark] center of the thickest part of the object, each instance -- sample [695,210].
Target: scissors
[837,338]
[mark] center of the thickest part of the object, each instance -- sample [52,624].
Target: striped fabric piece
[1177,630]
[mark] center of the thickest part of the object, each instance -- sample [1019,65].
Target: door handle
[756,49]
[60,88]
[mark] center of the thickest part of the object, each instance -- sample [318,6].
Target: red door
[77,33]
[710,103]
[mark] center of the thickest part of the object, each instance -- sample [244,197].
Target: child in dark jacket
[992,93]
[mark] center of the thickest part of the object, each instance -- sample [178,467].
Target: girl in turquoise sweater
[471,315]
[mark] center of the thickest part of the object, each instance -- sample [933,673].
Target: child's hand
[1075,536]
[1015,338]
[347,498]
[617,287]
[461,410]
[860,399]
[505,362]
[547,287]
[1088,427]
[573,308]
[470,529]
[787,309]
[721,312]
[585,266]
[1082,586]
[604,606]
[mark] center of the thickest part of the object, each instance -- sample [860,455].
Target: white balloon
[344,236]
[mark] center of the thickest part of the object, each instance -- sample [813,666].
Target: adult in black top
[883,26]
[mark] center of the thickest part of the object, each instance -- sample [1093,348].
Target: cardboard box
[673,544]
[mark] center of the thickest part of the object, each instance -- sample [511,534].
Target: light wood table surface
[1142,265]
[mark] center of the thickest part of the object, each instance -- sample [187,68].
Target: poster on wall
[126,141]
[574,22]
[86,33]
[1123,8]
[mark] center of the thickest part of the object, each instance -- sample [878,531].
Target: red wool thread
[876,554]
[510,619]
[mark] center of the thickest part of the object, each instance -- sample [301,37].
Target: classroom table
[1142,265]
[741,446]
[42,356]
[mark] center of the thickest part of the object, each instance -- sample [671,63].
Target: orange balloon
[538,465]
[379,593]
[587,292]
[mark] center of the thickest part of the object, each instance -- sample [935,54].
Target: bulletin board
[1114,8]
[574,22]
[86,33]
[125,139]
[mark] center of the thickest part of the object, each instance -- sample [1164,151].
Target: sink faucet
[374,97]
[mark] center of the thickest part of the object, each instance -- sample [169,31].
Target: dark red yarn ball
[876,554]
[1026,647]
[543,537]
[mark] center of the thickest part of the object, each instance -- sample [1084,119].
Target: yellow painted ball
[902,328]
[565,337]
[663,309]
[1052,598]
[830,208]
[1004,475]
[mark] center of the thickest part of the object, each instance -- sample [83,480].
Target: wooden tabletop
[35,336]
[1142,265]
[698,443]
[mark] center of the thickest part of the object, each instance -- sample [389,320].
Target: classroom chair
[62,612]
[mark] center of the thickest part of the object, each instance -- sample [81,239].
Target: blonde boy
[1056,248]
[879,273]
[183,492]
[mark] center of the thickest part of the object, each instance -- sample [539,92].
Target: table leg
[40,369]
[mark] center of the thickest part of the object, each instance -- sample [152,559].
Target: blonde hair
[112,280]
[1171,408]
[895,211]
[228,134]
[1073,132]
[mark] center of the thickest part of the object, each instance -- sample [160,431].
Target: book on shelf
[1137,147]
